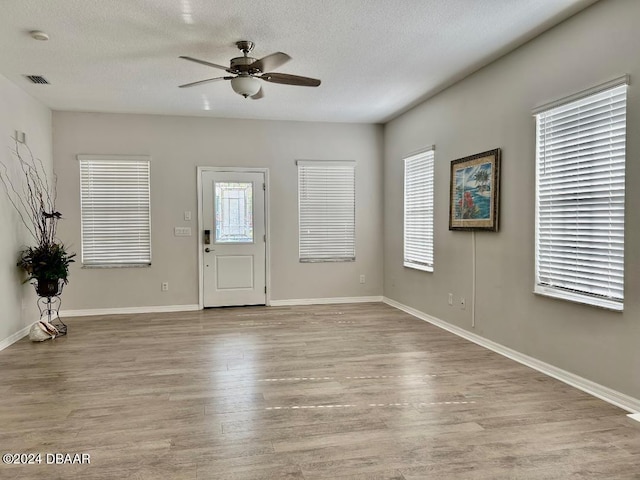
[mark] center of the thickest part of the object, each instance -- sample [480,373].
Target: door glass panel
[234,212]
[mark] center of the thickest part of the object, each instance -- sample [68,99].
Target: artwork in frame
[475,192]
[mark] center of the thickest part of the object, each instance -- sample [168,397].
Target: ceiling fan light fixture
[245,85]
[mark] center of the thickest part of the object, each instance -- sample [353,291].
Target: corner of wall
[18,112]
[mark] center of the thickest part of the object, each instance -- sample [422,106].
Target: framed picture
[475,192]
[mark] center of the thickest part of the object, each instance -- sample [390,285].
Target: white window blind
[115,210]
[418,211]
[326,208]
[580,193]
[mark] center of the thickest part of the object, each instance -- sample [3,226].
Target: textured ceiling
[376,58]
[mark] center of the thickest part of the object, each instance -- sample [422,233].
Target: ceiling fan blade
[203,62]
[200,82]
[271,62]
[258,95]
[287,79]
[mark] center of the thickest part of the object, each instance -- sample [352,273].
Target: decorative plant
[33,196]
[46,262]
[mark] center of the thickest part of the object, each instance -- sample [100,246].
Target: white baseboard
[324,301]
[607,394]
[128,310]
[634,416]
[14,338]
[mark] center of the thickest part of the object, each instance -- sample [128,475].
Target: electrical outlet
[463,304]
[451,299]
[165,286]
[362,279]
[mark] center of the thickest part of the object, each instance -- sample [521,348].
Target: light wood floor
[323,392]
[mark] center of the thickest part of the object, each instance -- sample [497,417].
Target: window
[326,209]
[418,211]
[115,210]
[234,212]
[580,164]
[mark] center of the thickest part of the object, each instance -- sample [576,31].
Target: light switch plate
[182,231]
[187,216]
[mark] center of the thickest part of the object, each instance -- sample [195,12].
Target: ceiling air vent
[37,79]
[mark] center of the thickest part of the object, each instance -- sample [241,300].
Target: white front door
[234,241]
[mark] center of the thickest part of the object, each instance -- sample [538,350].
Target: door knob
[207,249]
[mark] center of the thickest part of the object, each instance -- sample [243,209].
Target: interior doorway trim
[267,218]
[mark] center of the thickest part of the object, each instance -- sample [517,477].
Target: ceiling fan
[248,72]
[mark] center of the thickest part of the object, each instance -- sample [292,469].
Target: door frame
[267,215]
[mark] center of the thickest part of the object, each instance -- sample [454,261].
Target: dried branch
[32,194]
[8,187]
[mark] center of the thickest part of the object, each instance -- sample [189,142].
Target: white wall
[18,111]
[177,146]
[491,109]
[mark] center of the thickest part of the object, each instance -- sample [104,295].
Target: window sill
[424,268]
[119,265]
[577,298]
[327,260]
